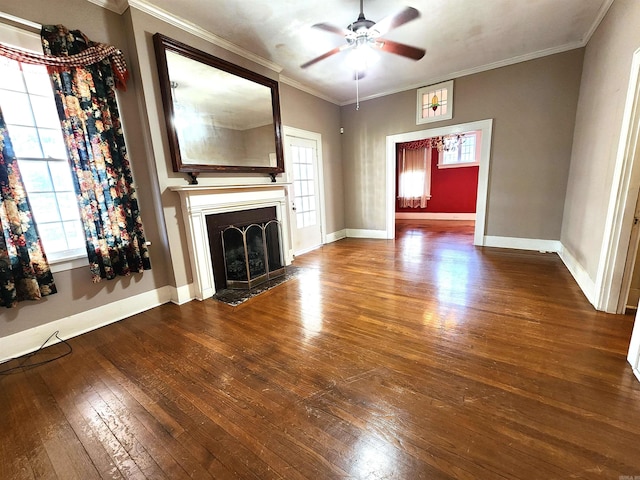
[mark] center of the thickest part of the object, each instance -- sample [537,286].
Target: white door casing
[486,126]
[303,162]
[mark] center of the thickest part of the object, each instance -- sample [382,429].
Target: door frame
[317,137]
[622,201]
[486,127]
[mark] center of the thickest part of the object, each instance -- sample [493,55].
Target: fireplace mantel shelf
[243,186]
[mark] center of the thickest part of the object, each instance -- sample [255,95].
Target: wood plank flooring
[419,358]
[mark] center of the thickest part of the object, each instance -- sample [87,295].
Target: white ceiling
[460,36]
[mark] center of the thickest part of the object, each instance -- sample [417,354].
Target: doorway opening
[392,141]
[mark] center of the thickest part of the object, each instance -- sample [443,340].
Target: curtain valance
[92,55]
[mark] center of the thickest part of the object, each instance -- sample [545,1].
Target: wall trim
[30,340]
[183,294]
[580,275]
[335,236]
[200,32]
[434,216]
[471,71]
[305,88]
[117,6]
[362,233]
[523,243]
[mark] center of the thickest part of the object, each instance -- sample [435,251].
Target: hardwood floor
[423,357]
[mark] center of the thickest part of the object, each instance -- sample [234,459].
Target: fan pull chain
[357,92]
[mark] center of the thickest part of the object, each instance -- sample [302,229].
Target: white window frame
[28,40]
[429,91]
[478,151]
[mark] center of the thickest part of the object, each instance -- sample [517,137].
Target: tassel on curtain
[24,271]
[88,110]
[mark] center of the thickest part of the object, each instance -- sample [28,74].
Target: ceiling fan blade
[332,28]
[408,51]
[395,20]
[325,55]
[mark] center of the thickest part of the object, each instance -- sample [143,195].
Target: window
[28,107]
[465,153]
[435,103]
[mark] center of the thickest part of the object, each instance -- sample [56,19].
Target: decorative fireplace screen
[252,254]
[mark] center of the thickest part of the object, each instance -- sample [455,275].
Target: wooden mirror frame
[163,44]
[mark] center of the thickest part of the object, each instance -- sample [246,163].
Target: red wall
[453,190]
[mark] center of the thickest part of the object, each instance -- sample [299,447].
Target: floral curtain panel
[24,271]
[88,110]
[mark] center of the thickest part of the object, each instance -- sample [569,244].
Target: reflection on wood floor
[423,357]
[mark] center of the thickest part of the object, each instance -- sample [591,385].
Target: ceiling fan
[366,33]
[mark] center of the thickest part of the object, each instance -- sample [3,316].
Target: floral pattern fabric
[88,110]
[24,271]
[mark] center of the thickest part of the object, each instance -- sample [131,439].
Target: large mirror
[220,117]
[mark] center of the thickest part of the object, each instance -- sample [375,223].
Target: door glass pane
[303,186]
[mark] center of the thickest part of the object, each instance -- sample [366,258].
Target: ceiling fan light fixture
[362,57]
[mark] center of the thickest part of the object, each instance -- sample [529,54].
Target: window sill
[458,165]
[69,263]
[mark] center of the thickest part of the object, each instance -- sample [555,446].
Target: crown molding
[601,14]
[479,69]
[300,86]
[200,32]
[117,6]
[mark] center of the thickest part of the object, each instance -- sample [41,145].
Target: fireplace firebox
[252,254]
[218,223]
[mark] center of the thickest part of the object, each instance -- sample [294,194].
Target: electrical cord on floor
[23,367]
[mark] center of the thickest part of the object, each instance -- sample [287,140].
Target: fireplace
[245,247]
[252,254]
[204,205]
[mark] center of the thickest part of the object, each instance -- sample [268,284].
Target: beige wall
[598,122]
[298,110]
[76,293]
[533,106]
[304,111]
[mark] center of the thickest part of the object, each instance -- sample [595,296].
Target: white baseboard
[30,340]
[582,278]
[523,243]
[434,216]
[361,233]
[182,294]
[335,236]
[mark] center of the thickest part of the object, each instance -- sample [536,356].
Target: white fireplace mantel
[198,201]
